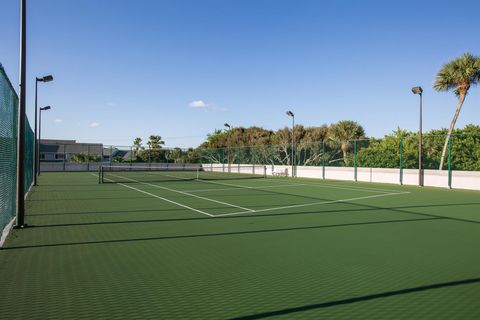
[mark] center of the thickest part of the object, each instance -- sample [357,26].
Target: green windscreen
[8,149]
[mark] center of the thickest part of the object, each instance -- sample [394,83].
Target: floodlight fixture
[45,108]
[47,78]
[417,90]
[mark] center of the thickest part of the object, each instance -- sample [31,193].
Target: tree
[137,146]
[176,155]
[309,147]
[154,145]
[457,75]
[84,157]
[342,133]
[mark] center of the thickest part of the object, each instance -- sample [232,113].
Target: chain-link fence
[73,156]
[391,159]
[8,150]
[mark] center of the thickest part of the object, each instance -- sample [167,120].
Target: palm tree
[154,145]
[343,132]
[457,75]
[137,146]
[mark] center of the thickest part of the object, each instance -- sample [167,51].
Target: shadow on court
[375,296]
[246,216]
[220,234]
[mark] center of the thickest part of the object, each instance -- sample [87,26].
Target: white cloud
[197,104]
[58,120]
[94,124]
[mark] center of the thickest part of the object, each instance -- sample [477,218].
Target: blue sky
[182,68]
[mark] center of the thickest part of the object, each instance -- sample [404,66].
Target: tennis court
[176,245]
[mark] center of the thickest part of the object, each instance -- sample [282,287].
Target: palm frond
[459,74]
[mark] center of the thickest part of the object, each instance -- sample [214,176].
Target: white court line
[309,204]
[185,193]
[236,188]
[303,184]
[319,185]
[164,199]
[171,201]
[249,210]
[326,185]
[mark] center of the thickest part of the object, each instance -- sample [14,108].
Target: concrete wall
[434,178]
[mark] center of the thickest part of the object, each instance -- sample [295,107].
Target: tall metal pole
[35,171]
[20,203]
[420,149]
[293,145]
[39,139]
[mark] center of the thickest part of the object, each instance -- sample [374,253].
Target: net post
[355,160]
[265,172]
[100,174]
[450,163]
[401,161]
[323,160]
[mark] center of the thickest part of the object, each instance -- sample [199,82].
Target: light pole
[20,194]
[418,90]
[226,125]
[40,135]
[37,80]
[290,114]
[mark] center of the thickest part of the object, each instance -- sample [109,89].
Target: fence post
[88,157]
[323,160]
[273,159]
[130,156]
[295,160]
[450,163]
[401,161]
[222,158]
[355,160]
[64,158]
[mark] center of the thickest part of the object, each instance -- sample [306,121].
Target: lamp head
[227,125]
[45,108]
[417,90]
[46,78]
[290,114]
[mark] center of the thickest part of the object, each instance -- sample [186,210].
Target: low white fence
[434,178]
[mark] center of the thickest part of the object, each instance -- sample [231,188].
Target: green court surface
[274,248]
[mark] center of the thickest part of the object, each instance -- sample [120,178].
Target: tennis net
[169,172]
